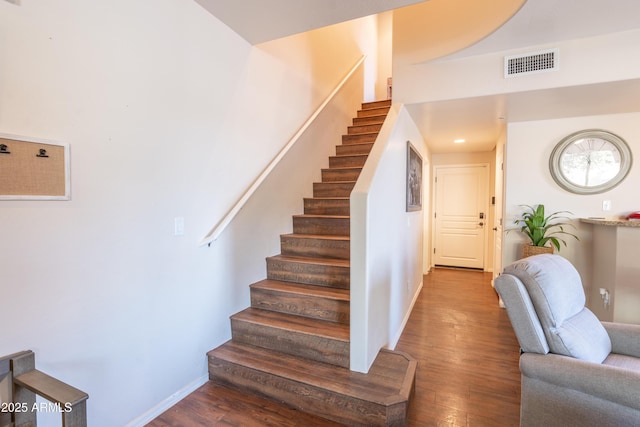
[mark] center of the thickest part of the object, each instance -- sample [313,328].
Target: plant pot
[529,250]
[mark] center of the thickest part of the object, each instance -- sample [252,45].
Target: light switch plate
[178,226]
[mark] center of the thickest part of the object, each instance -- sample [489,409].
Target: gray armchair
[576,370]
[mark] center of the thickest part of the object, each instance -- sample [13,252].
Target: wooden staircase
[292,344]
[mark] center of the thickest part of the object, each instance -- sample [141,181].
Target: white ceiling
[537,22]
[478,120]
[475,119]
[258,21]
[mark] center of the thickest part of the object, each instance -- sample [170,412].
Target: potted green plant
[544,232]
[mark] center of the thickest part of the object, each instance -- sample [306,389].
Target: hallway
[467,353]
[467,366]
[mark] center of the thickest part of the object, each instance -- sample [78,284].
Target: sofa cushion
[555,288]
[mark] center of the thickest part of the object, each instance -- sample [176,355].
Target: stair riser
[332,189]
[373,112]
[351,149]
[326,206]
[352,130]
[314,307]
[314,400]
[357,121]
[359,139]
[347,161]
[314,347]
[347,174]
[321,225]
[311,274]
[314,247]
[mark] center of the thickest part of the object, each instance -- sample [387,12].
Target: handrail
[224,222]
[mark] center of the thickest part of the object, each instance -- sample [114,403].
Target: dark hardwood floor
[467,353]
[467,366]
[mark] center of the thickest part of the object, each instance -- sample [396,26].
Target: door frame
[488,220]
[499,211]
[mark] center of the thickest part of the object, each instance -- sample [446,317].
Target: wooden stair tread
[303,289]
[354,148]
[376,104]
[333,182]
[362,133]
[355,144]
[293,323]
[378,118]
[341,168]
[309,260]
[389,380]
[361,138]
[322,216]
[355,156]
[328,198]
[317,236]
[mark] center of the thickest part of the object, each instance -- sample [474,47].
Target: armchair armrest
[625,338]
[606,382]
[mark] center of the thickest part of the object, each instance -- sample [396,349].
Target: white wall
[483,74]
[528,181]
[385,51]
[386,242]
[168,114]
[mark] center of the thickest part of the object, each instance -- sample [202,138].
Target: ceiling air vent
[531,63]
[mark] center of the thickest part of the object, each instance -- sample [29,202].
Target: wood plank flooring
[467,353]
[467,367]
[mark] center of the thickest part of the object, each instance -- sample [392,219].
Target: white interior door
[461,214]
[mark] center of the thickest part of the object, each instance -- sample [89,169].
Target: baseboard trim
[394,342]
[167,403]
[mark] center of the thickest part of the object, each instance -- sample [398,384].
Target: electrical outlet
[606,205]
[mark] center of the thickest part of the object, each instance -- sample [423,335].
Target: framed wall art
[414,179]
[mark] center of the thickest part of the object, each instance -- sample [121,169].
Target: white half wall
[386,242]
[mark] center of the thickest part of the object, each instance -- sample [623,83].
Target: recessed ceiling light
[458,141]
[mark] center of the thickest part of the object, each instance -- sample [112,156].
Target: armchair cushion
[570,328]
[607,382]
[583,337]
[522,314]
[625,338]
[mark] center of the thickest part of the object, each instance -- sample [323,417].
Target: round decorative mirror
[590,161]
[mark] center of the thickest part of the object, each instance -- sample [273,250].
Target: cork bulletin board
[33,169]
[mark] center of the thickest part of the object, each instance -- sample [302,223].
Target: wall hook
[3,149]
[42,153]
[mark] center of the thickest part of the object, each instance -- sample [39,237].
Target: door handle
[495,228]
[481,224]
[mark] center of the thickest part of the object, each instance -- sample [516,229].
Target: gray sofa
[576,370]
